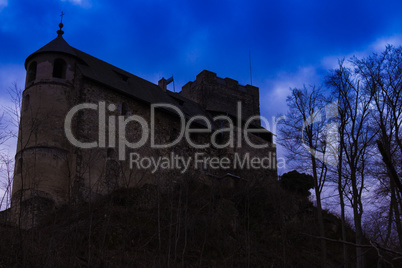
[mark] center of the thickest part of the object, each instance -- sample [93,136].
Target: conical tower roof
[58,45]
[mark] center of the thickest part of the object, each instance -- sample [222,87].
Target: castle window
[123,77]
[31,75]
[25,102]
[123,108]
[59,68]
[110,153]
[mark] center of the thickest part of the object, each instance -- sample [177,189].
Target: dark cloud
[159,38]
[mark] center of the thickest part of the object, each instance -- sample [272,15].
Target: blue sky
[291,42]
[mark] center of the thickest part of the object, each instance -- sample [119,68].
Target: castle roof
[58,45]
[119,80]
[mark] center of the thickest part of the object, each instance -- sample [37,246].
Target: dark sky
[292,42]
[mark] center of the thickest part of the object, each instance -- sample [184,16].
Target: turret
[41,176]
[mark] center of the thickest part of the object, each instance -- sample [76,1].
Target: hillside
[189,225]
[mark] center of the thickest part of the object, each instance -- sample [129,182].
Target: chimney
[162,84]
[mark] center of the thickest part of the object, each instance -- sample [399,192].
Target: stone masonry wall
[101,171]
[222,95]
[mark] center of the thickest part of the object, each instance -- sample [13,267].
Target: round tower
[41,175]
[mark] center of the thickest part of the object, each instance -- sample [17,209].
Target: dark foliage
[296,182]
[189,224]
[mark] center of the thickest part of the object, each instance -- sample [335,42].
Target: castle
[88,128]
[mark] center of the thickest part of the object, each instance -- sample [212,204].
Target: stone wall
[222,95]
[101,165]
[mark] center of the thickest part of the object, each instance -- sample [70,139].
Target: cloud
[82,3]
[7,148]
[274,91]
[376,46]
[3,4]
[8,125]
[11,74]
[273,100]
[381,43]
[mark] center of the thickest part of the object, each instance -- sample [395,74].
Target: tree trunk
[319,214]
[357,215]
[341,192]
[345,247]
[395,207]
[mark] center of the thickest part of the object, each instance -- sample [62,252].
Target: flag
[169,80]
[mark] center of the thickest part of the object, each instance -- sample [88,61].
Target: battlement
[221,95]
[211,77]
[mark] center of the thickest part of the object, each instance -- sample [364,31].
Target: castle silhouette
[51,171]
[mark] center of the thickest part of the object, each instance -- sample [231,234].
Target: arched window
[31,75]
[25,102]
[59,68]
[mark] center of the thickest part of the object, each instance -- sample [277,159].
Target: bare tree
[23,131]
[357,139]
[6,167]
[368,120]
[303,136]
[382,75]
[340,180]
[6,162]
